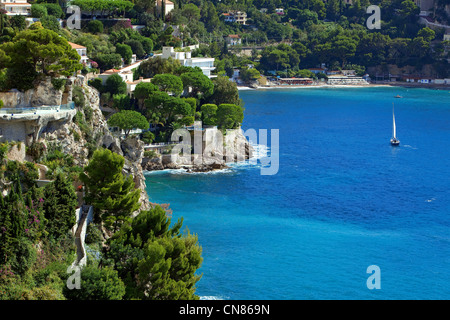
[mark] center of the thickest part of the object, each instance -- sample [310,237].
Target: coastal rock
[112,143]
[44,94]
[151,164]
[216,153]
[133,152]
[133,149]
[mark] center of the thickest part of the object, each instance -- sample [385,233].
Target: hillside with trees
[138,253]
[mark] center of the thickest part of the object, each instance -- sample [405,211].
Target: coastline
[381,84]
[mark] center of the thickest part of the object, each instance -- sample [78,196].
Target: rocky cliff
[88,130]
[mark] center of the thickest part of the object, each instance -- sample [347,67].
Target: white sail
[394,134]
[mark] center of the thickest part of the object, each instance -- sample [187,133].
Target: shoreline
[369,85]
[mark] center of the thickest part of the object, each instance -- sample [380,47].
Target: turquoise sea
[343,199]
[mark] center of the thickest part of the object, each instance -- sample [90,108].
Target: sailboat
[394,140]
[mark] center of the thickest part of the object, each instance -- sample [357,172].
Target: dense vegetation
[37,245]
[147,257]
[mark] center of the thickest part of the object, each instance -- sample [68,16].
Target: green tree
[50,23]
[229,116]
[144,89]
[121,101]
[113,195]
[344,47]
[210,17]
[332,9]
[157,65]
[191,12]
[97,284]
[127,120]
[154,259]
[108,60]
[136,46]
[125,52]
[209,114]
[18,22]
[95,26]
[168,83]
[115,85]
[38,10]
[427,34]
[59,206]
[54,9]
[44,51]
[201,86]
[225,91]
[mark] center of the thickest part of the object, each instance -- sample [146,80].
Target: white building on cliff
[16,7]
[206,64]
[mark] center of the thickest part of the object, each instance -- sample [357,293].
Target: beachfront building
[332,72]
[346,80]
[82,51]
[233,39]
[295,81]
[318,70]
[16,7]
[185,58]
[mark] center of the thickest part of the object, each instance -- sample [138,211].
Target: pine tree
[112,194]
[59,206]
[154,259]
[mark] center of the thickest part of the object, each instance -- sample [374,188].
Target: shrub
[4,148]
[58,83]
[97,284]
[78,96]
[95,26]
[150,154]
[36,150]
[148,137]
[96,83]
[38,11]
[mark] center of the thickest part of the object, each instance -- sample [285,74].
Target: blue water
[342,200]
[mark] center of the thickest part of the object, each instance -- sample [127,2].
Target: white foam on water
[212,298]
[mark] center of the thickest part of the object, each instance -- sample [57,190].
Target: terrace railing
[37,110]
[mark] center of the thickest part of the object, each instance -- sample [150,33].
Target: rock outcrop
[44,94]
[216,151]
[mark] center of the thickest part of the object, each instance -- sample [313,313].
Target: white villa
[206,64]
[131,85]
[126,75]
[82,51]
[16,7]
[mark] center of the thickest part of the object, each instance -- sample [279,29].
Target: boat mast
[393,123]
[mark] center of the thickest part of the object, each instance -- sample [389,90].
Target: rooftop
[76,46]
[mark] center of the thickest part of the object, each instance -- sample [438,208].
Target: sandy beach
[384,84]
